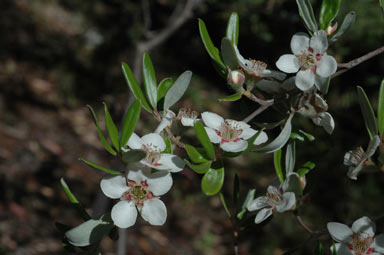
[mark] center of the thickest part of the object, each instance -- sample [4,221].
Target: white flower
[141,190]
[187,117]
[357,240]
[153,145]
[358,158]
[166,120]
[230,134]
[309,59]
[275,198]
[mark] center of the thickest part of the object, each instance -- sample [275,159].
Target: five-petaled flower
[139,189]
[357,240]
[358,158]
[309,59]
[153,145]
[230,134]
[277,198]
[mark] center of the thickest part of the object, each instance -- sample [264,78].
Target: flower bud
[236,78]
[331,29]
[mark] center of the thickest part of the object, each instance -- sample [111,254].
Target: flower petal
[213,136]
[137,175]
[364,224]
[289,200]
[166,121]
[305,79]
[160,183]
[170,162]
[299,42]
[263,214]
[327,122]
[247,133]
[257,204]
[326,66]
[372,146]
[124,214]
[212,120]
[154,211]
[155,140]
[353,171]
[114,186]
[378,244]
[262,138]
[288,63]
[340,232]
[187,122]
[273,74]
[341,249]
[135,142]
[237,146]
[319,42]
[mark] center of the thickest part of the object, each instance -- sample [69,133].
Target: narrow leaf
[177,90]
[132,156]
[380,110]
[348,21]
[149,79]
[319,248]
[231,98]
[305,168]
[200,168]
[135,87]
[280,140]
[111,128]
[130,120]
[168,145]
[328,12]
[224,203]
[307,15]
[163,88]
[213,179]
[100,133]
[228,54]
[290,157]
[210,47]
[204,140]
[233,28]
[72,198]
[96,166]
[307,135]
[194,154]
[277,163]
[368,113]
[90,231]
[248,199]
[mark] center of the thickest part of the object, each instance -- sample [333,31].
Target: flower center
[138,192]
[357,155]
[361,243]
[254,67]
[274,197]
[152,154]
[229,131]
[187,113]
[307,59]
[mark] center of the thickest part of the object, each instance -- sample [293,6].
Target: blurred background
[59,55]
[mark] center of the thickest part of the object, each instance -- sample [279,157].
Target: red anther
[144,183]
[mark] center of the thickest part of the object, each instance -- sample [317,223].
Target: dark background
[58,56]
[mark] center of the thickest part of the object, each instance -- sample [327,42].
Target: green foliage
[380,110]
[177,90]
[307,15]
[204,140]
[348,21]
[130,120]
[213,179]
[99,167]
[111,128]
[72,198]
[328,12]
[277,163]
[150,82]
[132,156]
[232,32]
[163,88]
[228,54]
[231,98]
[194,154]
[368,113]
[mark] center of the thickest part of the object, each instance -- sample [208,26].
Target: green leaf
[248,200]
[290,157]
[380,110]
[200,168]
[231,98]
[280,140]
[307,15]
[132,156]
[194,154]
[233,28]
[277,163]
[100,133]
[222,199]
[177,90]
[328,12]
[90,231]
[72,198]
[228,54]
[149,79]
[322,84]
[130,120]
[168,145]
[163,88]
[204,140]
[304,169]
[296,136]
[135,87]
[348,21]
[307,135]
[111,128]
[96,166]
[210,47]
[381,2]
[213,179]
[334,250]
[319,248]
[368,113]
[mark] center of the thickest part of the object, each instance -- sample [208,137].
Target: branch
[357,61]
[258,111]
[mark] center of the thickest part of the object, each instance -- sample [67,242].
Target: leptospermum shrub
[301,81]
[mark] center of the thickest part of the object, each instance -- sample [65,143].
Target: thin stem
[258,111]
[308,229]
[357,61]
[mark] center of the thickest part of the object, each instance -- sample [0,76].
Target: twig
[357,61]
[258,111]
[308,229]
[254,98]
